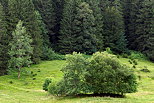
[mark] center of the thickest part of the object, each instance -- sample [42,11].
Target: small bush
[46,84]
[39,70]
[137,55]
[31,72]
[34,78]
[11,82]
[139,77]
[49,54]
[102,73]
[73,82]
[57,88]
[152,77]
[108,50]
[124,55]
[34,75]
[135,62]
[118,56]
[130,62]
[134,66]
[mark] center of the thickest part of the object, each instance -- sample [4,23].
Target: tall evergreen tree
[130,11]
[3,43]
[145,28]
[94,5]
[84,30]
[66,38]
[114,30]
[58,9]
[46,10]
[144,24]
[150,47]
[21,49]
[44,31]
[46,47]
[24,10]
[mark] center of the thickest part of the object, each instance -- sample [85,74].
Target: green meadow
[28,89]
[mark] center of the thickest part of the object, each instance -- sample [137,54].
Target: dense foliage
[20,49]
[3,43]
[102,73]
[46,84]
[84,26]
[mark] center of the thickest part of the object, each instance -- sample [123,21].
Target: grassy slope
[27,90]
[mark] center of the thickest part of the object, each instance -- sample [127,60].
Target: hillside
[27,90]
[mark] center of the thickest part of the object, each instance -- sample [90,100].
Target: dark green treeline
[84,26]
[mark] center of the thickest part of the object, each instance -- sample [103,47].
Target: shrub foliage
[46,84]
[102,73]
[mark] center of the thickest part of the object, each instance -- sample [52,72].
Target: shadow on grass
[91,95]
[102,95]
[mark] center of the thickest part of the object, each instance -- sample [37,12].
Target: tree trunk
[19,70]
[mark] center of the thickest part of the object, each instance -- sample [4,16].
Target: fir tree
[145,28]
[130,11]
[3,43]
[150,47]
[114,30]
[144,24]
[21,49]
[66,38]
[44,32]
[94,5]
[46,47]
[58,10]
[25,11]
[84,30]
[46,10]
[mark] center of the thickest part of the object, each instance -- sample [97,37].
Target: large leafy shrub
[102,73]
[73,81]
[108,75]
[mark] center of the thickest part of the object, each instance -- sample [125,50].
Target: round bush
[108,75]
[102,73]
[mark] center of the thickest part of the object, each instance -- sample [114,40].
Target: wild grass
[29,90]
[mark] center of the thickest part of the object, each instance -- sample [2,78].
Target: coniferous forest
[78,32]
[84,26]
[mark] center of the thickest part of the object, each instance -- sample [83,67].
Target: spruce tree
[94,5]
[144,24]
[46,10]
[114,30]
[24,10]
[145,28]
[43,30]
[130,10]
[3,43]
[58,10]
[46,46]
[84,29]
[150,47]
[20,50]
[66,38]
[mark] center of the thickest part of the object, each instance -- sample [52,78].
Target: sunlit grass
[27,90]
